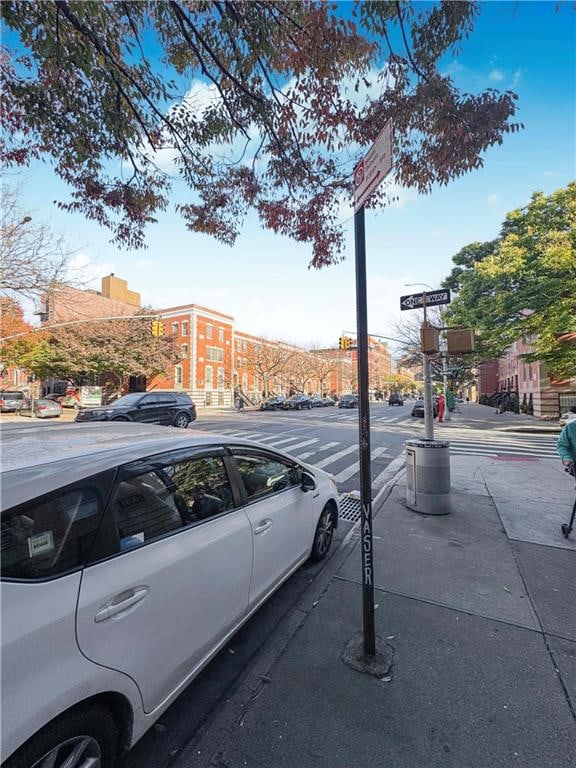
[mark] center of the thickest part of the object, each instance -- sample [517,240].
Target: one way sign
[433,299]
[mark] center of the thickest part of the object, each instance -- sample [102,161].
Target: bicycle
[567,528]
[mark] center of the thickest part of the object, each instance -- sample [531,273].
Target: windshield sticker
[40,543]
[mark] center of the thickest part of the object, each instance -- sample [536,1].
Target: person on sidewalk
[567,444]
[441,407]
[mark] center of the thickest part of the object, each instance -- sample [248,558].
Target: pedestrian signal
[157,328]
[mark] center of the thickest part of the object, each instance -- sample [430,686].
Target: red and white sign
[374,167]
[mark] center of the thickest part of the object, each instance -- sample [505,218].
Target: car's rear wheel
[182,420]
[323,535]
[82,738]
[121,418]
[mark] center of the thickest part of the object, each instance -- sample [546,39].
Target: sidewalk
[480,415]
[479,608]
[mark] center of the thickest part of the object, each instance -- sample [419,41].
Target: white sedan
[130,555]
[566,417]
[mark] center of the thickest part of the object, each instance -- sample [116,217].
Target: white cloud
[493,199]
[438,232]
[86,272]
[496,74]
[550,174]
[516,77]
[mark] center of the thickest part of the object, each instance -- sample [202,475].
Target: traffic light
[157,328]
[344,342]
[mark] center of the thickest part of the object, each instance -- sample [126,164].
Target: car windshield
[129,399]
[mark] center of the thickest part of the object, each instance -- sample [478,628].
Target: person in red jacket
[441,406]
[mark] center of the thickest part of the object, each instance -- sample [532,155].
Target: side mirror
[307,482]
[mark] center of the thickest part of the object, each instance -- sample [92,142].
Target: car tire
[120,418]
[323,535]
[96,725]
[309,407]
[182,420]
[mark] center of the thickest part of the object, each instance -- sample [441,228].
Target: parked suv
[348,401]
[395,399]
[166,408]
[11,401]
[273,403]
[298,402]
[130,555]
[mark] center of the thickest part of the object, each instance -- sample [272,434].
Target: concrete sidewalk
[479,609]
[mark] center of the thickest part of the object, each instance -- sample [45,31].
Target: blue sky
[264,280]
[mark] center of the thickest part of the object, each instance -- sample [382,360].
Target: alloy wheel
[78,752]
[324,533]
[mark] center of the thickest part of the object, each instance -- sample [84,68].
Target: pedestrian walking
[566,445]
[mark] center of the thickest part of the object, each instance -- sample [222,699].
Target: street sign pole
[428,402]
[364,438]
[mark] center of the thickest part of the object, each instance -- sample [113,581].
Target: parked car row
[130,555]
[297,402]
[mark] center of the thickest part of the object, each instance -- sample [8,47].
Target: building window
[220,378]
[184,327]
[208,331]
[244,381]
[184,351]
[178,374]
[175,329]
[244,346]
[208,377]
[215,354]
[220,334]
[238,345]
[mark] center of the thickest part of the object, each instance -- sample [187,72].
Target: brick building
[535,389]
[113,300]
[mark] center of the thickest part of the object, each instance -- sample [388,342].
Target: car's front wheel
[182,420]
[121,418]
[84,737]
[323,535]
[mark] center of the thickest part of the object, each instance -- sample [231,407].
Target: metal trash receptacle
[428,476]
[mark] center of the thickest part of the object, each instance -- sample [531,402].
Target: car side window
[54,533]
[263,475]
[164,498]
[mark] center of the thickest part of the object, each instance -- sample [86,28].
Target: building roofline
[192,307]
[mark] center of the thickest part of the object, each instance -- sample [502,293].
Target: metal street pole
[428,403]
[445,384]
[364,437]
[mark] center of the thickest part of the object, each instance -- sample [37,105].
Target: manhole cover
[349,509]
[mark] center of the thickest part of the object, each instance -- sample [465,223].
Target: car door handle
[121,603]
[263,526]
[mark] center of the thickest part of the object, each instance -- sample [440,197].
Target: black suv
[395,399]
[273,403]
[348,401]
[297,402]
[168,408]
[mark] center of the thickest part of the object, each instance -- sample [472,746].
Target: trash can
[428,476]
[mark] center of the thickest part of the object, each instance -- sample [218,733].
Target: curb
[531,430]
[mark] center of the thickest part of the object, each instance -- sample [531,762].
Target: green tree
[83,352]
[523,284]
[286,97]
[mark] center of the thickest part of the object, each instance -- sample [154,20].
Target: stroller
[567,528]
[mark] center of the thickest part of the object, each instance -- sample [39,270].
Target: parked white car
[130,555]
[566,417]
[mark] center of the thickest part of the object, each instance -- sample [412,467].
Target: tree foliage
[523,284]
[115,348]
[263,105]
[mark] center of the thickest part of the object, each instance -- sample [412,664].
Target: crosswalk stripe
[486,452]
[269,438]
[512,451]
[252,435]
[283,441]
[347,473]
[320,449]
[335,456]
[395,465]
[291,448]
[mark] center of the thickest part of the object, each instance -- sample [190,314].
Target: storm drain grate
[349,508]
